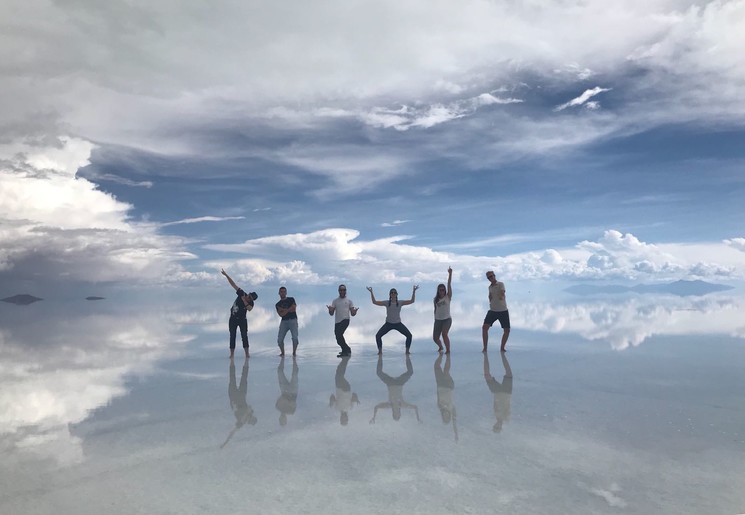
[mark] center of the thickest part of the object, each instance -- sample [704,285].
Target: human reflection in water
[502,391]
[287,401]
[395,391]
[344,399]
[445,387]
[244,414]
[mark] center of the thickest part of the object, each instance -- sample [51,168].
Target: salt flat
[616,406]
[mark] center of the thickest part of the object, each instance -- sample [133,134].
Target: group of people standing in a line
[344,399]
[342,309]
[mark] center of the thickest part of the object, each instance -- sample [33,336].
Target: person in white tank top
[442,313]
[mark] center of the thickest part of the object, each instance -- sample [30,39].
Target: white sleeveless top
[442,308]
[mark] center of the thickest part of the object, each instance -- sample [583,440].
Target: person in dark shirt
[286,309]
[242,305]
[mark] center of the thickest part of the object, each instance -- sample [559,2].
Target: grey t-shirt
[393,313]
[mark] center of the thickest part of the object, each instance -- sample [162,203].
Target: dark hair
[437,295]
[392,290]
[253,295]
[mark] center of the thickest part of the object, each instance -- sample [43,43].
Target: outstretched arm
[372,296]
[450,283]
[235,286]
[413,296]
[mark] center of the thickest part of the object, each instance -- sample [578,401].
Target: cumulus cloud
[737,243]
[330,254]
[59,226]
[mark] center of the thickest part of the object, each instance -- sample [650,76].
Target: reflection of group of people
[344,399]
[342,308]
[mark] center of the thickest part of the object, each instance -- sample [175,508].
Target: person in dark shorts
[497,311]
[286,308]
[242,305]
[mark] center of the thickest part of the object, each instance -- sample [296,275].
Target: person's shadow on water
[502,391]
[244,413]
[344,399]
[445,388]
[287,401]
[395,391]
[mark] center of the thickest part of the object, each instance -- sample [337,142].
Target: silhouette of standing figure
[287,401]
[244,414]
[395,391]
[502,392]
[445,388]
[344,399]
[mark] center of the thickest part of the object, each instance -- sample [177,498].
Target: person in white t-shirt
[497,311]
[442,313]
[343,308]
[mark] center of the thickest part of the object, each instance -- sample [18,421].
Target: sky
[310,143]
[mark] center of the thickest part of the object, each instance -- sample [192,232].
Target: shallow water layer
[627,405]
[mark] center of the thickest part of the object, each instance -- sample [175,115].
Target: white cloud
[59,226]
[583,98]
[204,219]
[330,254]
[394,223]
[83,365]
[737,243]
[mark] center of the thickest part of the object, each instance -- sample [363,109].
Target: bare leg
[446,339]
[505,335]
[485,335]
[436,338]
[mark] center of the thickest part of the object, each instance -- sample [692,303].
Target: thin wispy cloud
[394,223]
[201,219]
[584,99]
[108,177]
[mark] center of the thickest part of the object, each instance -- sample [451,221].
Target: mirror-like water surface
[616,405]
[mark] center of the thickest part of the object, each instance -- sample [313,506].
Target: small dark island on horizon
[23,299]
[681,288]
[93,297]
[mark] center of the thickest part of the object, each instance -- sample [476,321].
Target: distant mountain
[94,298]
[681,288]
[23,299]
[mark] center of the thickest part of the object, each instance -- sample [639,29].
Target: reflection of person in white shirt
[395,391]
[344,399]
[445,388]
[502,391]
[287,401]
